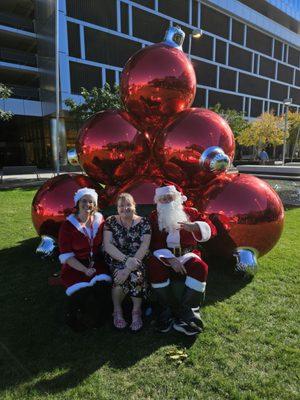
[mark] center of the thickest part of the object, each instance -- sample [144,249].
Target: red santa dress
[182,245]
[77,241]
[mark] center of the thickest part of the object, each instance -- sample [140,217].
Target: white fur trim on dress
[98,219]
[65,256]
[80,285]
[192,283]
[83,192]
[205,231]
[161,284]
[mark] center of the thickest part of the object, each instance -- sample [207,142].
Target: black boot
[189,320]
[76,308]
[102,292]
[165,319]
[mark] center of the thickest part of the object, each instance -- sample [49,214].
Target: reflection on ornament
[214,160]
[47,247]
[110,149]
[72,157]
[246,262]
[53,202]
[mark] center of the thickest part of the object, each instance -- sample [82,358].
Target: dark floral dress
[128,242]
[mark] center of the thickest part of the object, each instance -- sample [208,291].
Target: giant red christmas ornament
[110,149]
[179,148]
[157,82]
[54,201]
[142,189]
[247,212]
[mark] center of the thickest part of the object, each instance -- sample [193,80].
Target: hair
[128,197]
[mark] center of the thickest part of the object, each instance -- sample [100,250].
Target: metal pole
[57,87]
[285,133]
[190,45]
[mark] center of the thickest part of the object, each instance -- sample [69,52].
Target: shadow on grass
[36,348]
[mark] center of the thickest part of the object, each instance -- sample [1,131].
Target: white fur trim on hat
[83,192]
[164,190]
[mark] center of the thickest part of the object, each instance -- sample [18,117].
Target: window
[214,22]
[114,50]
[253,85]
[259,41]
[178,9]
[226,100]
[203,47]
[148,26]
[227,79]
[74,40]
[256,107]
[96,12]
[220,52]
[237,32]
[285,73]
[278,50]
[199,98]
[295,95]
[240,58]
[278,92]
[124,18]
[294,57]
[82,75]
[205,73]
[267,67]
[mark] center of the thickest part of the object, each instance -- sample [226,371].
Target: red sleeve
[64,238]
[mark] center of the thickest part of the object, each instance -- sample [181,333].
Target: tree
[95,100]
[5,93]
[235,119]
[266,129]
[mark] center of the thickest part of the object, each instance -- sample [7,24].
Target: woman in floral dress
[126,242]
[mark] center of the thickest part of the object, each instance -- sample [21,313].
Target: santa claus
[176,231]
[84,272]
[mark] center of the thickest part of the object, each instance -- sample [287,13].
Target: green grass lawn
[249,350]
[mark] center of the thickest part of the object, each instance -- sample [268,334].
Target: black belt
[179,251]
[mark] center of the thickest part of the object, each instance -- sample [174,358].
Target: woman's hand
[177,266]
[90,272]
[132,263]
[121,275]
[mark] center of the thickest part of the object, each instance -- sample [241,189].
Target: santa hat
[83,192]
[170,189]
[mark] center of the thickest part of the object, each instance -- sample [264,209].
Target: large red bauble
[142,189]
[180,146]
[157,82]
[110,149]
[54,201]
[247,212]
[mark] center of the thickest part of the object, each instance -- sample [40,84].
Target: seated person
[84,272]
[126,242]
[175,232]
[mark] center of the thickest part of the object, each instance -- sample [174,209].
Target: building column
[58,144]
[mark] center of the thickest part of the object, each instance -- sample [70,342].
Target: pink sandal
[119,321]
[137,322]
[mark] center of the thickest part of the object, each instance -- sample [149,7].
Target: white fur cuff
[192,283]
[205,231]
[65,256]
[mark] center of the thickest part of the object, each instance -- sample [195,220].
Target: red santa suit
[182,245]
[77,241]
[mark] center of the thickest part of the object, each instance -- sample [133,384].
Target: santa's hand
[189,226]
[121,275]
[177,266]
[90,272]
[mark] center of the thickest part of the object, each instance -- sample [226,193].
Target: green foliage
[235,119]
[248,351]
[5,93]
[95,100]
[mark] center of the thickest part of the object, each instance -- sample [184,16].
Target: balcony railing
[18,57]
[24,92]
[16,21]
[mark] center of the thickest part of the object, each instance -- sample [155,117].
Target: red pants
[159,272]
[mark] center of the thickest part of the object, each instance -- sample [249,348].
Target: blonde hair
[127,197]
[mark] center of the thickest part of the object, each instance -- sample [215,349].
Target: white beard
[170,214]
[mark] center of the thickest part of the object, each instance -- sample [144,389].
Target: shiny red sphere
[142,189]
[156,83]
[246,211]
[110,149]
[178,149]
[53,202]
